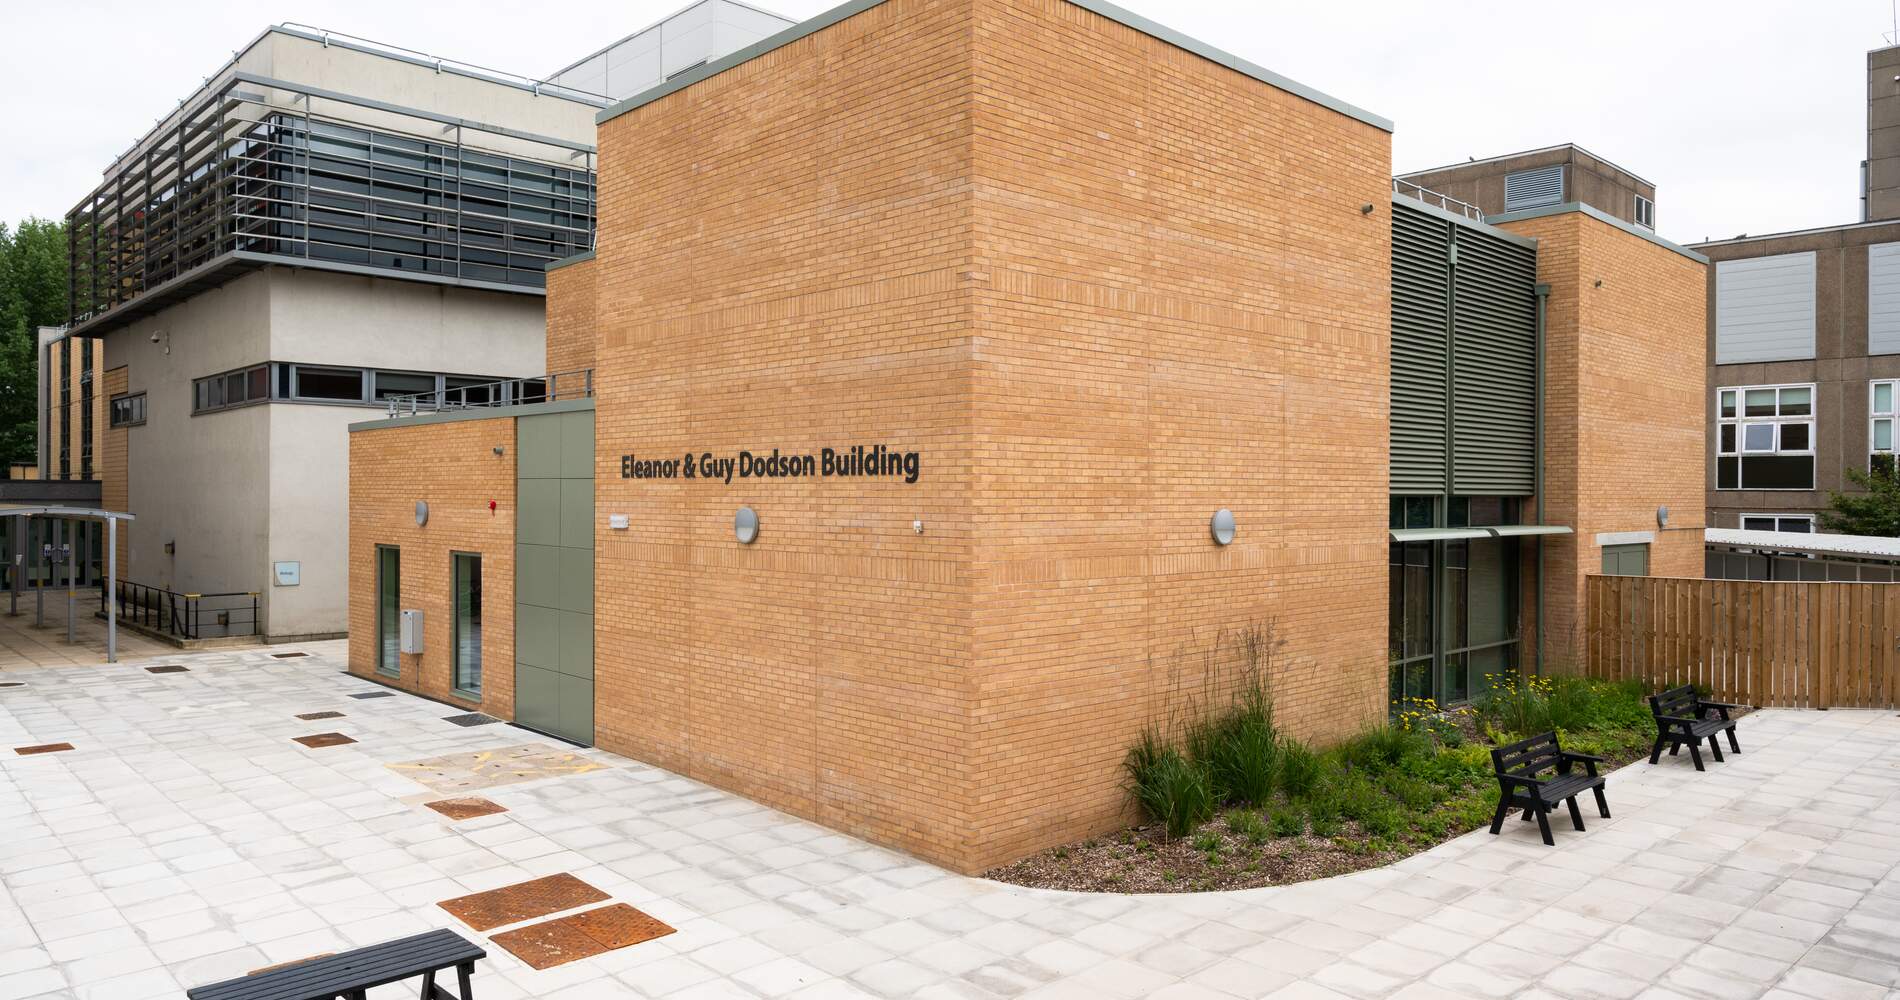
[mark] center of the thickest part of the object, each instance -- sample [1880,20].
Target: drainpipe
[1537,465]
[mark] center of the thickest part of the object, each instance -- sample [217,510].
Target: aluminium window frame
[1743,519]
[1741,420]
[1876,415]
[128,398]
[455,628]
[1645,212]
[381,622]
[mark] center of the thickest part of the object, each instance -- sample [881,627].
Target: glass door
[388,610]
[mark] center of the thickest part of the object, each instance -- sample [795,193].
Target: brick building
[960,371]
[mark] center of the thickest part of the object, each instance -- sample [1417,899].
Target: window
[1881,425]
[343,384]
[128,410]
[1883,298]
[1764,308]
[1803,523]
[1764,437]
[467,647]
[1645,212]
[1534,188]
[218,392]
[402,384]
[388,610]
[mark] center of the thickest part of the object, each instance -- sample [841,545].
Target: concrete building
[937,440]
[328,222]
[1803,361]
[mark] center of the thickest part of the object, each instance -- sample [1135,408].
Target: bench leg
[1543,825]
[1655,750]
[1603,805]
[1732,745]
[1715,747]
[1576,815]
[462,972]
[1695,754]
[1529,814]
[1674,746]
[1497,818]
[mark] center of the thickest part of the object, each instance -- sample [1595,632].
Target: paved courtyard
[186,838]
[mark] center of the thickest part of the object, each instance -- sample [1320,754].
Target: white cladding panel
[1764,308]
[1883,298]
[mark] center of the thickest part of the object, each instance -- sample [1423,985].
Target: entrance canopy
[1495,531]
[19,513]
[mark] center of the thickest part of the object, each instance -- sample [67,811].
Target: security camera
[154,336]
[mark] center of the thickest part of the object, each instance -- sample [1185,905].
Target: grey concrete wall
[1598,183]
[198,481]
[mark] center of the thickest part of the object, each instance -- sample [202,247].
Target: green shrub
[1169,787]
[1382,748]
[1358,797]
[1324,823]
[1299,770]
[1248,825]
[1289,822]
[1413,793]
[1207,841]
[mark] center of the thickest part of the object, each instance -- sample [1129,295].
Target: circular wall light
[1222,526]
[422,513]
[745,525]
[1662,516]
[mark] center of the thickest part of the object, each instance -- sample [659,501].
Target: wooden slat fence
[1771,644]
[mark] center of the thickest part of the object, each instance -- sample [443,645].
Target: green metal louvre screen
[1421,302]
[1494,328]
[1464,358]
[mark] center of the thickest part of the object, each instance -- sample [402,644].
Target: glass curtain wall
[1454,602]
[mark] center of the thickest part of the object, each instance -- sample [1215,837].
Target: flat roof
[1108,10]
[1531,152]
[1752,237]
[1820,543]
[1601,216]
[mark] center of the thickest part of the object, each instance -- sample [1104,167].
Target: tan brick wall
[1624,401]
[1097,283]
[114,485]
[453,467]
[571,318]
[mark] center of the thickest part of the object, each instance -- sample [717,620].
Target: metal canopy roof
[55,510]
[1860,546]
[1498,531]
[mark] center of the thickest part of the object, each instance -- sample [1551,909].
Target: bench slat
[364,968]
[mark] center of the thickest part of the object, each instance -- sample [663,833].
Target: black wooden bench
[1682,719]
[1520,787]
[353,974]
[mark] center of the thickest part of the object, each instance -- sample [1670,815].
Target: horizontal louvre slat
[1421,257]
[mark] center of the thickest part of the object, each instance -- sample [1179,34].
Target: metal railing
[187,616]
[1444,201]
[576,384]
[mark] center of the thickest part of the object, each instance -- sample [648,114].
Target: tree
[32,294]
[1874,512]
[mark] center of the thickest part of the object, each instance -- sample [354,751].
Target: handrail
[518,79]
[575,384]
[1445,201]
[184,614]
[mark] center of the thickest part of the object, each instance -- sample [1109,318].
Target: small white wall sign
[287,574]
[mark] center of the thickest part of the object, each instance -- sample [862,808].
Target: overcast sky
[1748,116]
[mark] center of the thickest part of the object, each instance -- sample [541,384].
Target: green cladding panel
[554,574]
[1421,315]
[1494,382]
[1464,357]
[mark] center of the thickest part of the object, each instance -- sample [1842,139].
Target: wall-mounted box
[411,637]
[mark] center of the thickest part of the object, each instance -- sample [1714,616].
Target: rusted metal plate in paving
[565,939]
[466,808]
[314,716]
[323,740]
[512,904]
[169,668]
[546,945]
[42,748]
[460,773]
